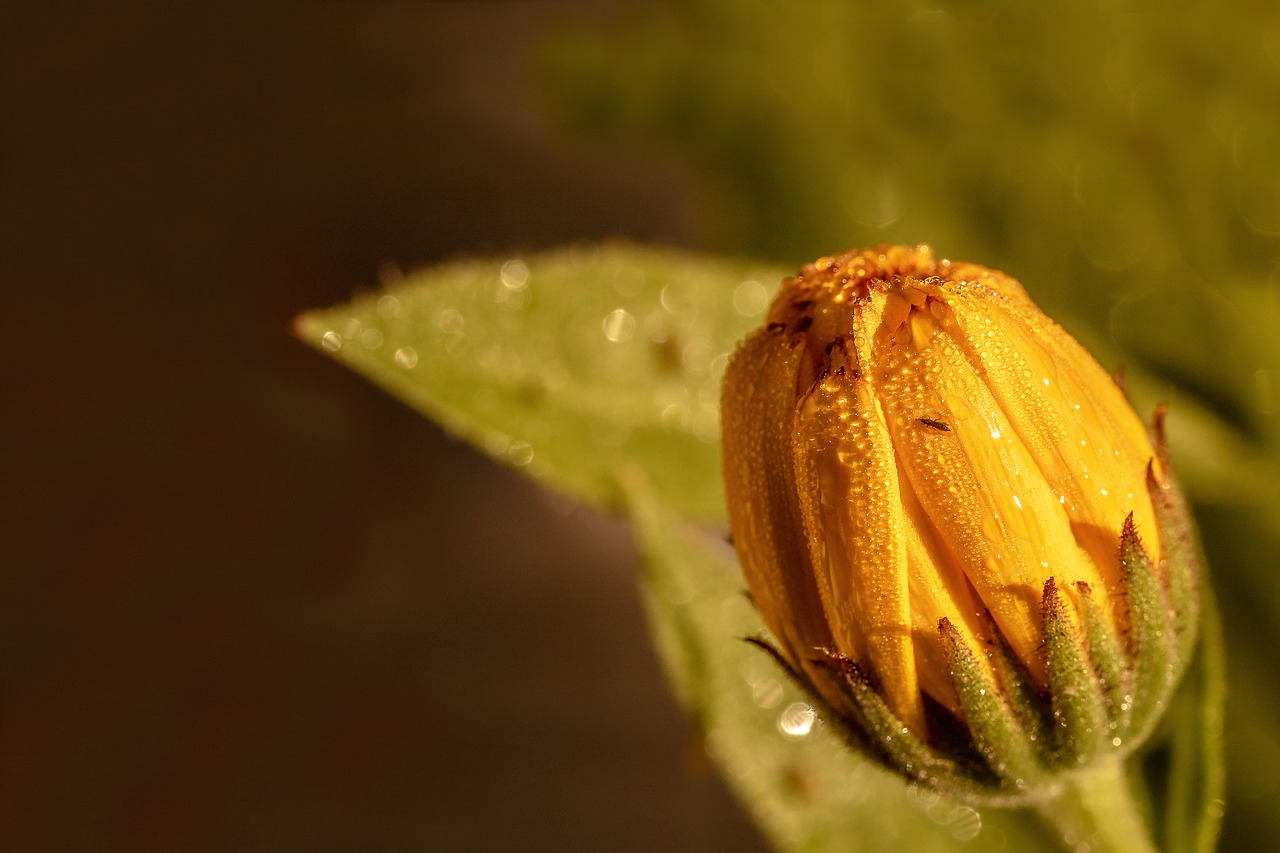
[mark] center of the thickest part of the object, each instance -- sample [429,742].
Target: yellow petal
[846,475]
[976,480]
[1086,440]
[938,589]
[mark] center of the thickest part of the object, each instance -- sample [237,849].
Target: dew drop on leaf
[619,326]
[406,357]
[796,720]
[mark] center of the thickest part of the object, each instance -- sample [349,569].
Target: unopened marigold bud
[947,512]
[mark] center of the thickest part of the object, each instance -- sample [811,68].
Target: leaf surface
[568,364]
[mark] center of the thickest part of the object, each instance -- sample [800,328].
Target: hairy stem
[1097,812]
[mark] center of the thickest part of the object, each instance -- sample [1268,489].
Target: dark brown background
[246,600]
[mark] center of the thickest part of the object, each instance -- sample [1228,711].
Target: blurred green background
[252,603]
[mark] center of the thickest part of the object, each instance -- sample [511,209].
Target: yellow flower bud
[920,464]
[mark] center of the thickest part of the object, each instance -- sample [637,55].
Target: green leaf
[568,364]
[807,791]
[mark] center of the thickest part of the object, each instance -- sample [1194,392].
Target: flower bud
[964,542]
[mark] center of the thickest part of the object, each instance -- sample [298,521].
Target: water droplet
[331,341]
[520,453]
[407,357]
[371,338]
[750,298]
[676,415]
[514,274]
[717,368]
[619,325]
[512,299]
[388,306]
[450,320]
[496,443]
[964,823]
[667,298]
[766,692]
[352,330]
[697,355]
[796,719]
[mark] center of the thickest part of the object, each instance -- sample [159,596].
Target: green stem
[1096,811]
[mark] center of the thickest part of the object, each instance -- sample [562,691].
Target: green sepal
[1151,634]
[897,746]
[1031,707]
[1078,705]
[1181,554]
[1108,656]
[997,733]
